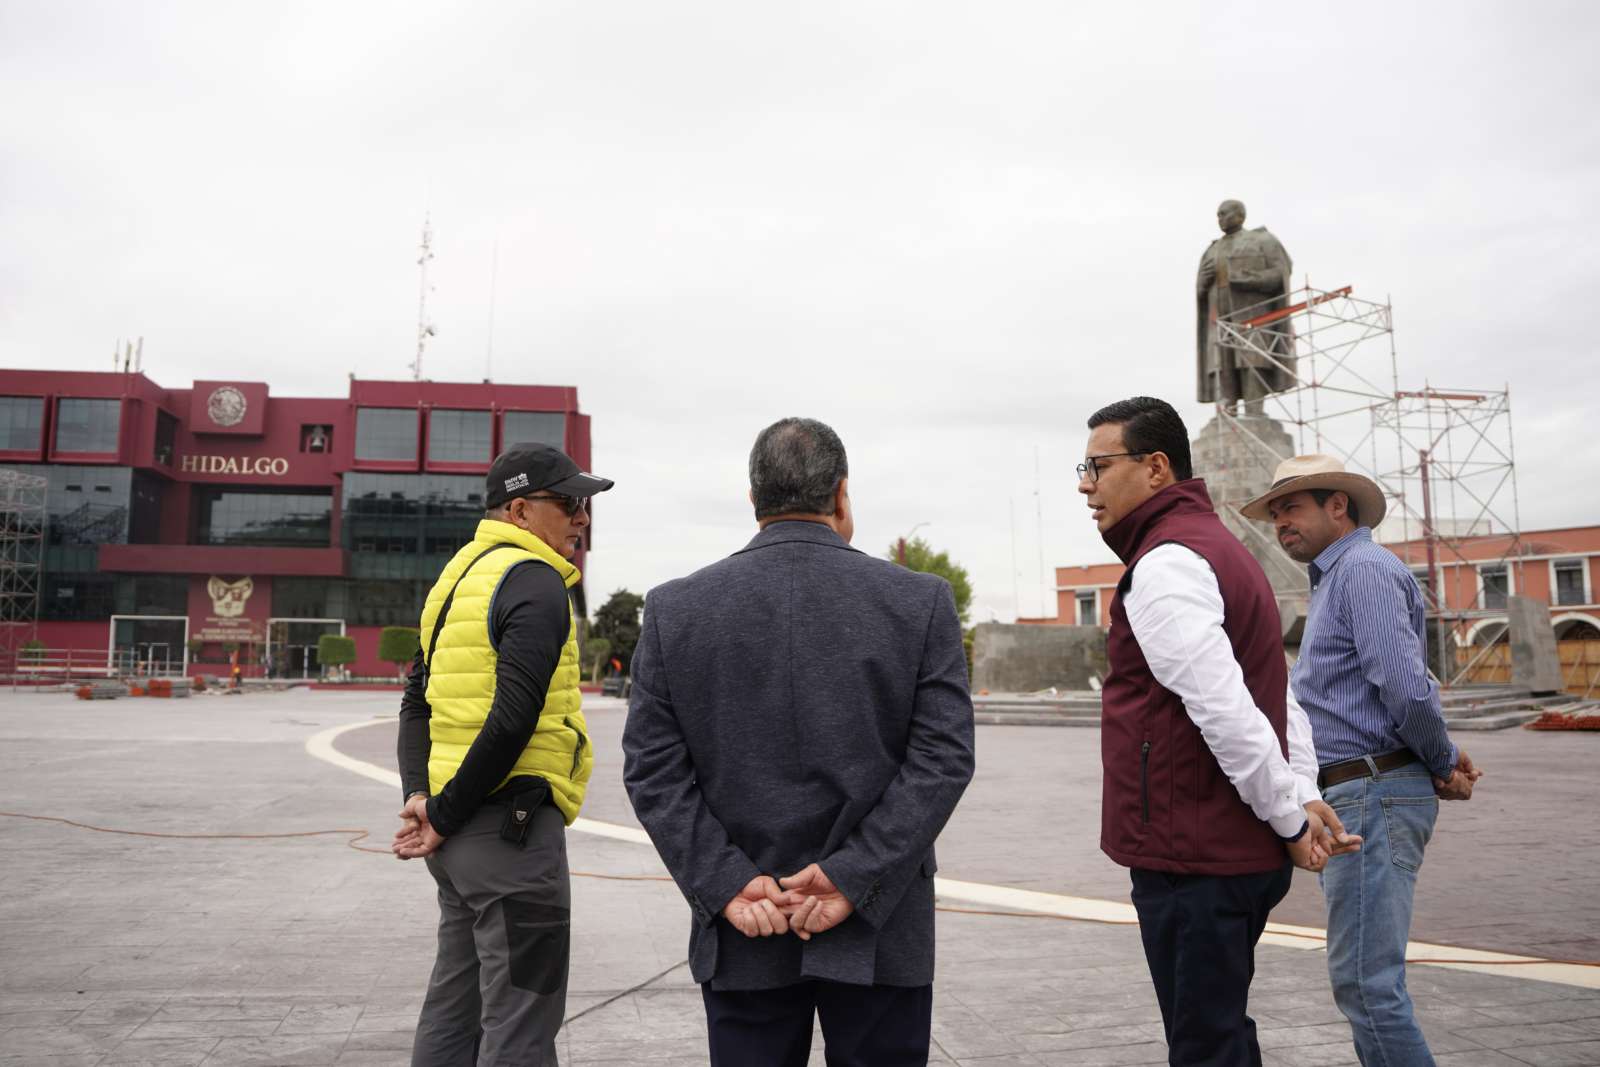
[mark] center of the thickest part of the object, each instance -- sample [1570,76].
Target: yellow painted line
[1009,898]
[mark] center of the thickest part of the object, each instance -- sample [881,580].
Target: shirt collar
[1329,556]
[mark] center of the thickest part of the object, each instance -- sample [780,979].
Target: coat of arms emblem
[226,406]
[227,598]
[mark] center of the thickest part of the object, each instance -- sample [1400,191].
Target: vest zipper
[577,752]
[1144,780]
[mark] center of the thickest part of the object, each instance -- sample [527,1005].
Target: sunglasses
[569,504]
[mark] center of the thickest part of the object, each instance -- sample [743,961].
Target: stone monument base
[1237,455]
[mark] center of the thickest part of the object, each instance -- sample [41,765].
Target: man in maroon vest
[1210,774]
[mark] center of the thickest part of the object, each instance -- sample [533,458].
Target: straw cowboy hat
[1300,473]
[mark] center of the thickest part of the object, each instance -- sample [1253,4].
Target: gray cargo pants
[499,985]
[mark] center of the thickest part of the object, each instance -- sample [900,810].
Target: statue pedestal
[1237,457]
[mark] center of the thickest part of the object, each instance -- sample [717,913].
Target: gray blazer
[801,702]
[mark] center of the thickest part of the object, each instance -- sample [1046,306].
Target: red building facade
[185,523]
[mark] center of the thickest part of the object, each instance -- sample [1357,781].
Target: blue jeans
[1368,894]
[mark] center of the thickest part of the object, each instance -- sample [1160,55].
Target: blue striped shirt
[1362,676]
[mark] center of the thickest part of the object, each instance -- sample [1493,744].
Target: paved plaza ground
[119,950]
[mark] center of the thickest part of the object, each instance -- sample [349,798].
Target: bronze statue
[1243,274]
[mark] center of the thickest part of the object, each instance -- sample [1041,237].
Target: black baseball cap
[522,470]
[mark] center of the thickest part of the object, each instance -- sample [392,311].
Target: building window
[534,427]
[1569,582]
[1496,581]
[21,419]
[458,436]
[88,425]
[386,434]
[415,515]
[166,437]
[317,438]
[239,517]
[1088,610]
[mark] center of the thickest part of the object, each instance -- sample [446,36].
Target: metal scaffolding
[22,524]
[1443,457]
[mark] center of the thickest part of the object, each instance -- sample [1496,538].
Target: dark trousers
[1200,934]
[862,1026]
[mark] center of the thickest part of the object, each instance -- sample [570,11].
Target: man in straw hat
[1208,765]
[1384,754]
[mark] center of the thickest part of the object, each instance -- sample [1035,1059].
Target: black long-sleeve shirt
[528,624]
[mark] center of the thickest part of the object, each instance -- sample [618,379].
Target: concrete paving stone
[1007,1060]
[305,1050]
[320,1019]
[1549,1011]
[1483,1057]
[370,1022]
[78,1059]
[173,1052]
[1104,1037]
[1303,1036]
[207,1009]
[1329,1055]
[1576,1054]
[380,1040]
[61,1040]
[1522,1036]
[214,1028]
[1107,1057]
[39,1018]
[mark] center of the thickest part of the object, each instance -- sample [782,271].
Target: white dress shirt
[1175,609]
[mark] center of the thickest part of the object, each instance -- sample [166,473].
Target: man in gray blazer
[799,733]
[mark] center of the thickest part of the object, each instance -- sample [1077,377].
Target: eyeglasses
[1091,469]
[570,504]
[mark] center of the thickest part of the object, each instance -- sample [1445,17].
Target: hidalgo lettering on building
[267,465]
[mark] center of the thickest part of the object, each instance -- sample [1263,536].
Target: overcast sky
[949,230]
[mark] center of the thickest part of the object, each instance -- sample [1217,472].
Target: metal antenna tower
[22,519]
[425,328]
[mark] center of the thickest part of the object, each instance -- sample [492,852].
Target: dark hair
[796,467]
[1150,425]
[1321,497]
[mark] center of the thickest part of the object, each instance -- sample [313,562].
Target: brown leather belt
[1345,770]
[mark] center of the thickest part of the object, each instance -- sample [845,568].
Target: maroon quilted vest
[1166,805]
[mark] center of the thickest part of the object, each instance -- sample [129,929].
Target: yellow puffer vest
[461,673]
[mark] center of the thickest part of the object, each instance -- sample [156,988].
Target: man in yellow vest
[494,759]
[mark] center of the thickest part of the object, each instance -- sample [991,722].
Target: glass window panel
[534,427]
[386,433]
[21,418]
[1087,616]
[234,517]
[1569,581]
[87,425]
[77,511]
[417,514]
[1496,584]
[459,436]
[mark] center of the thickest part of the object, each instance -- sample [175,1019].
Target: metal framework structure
[22,525]
[1443,457]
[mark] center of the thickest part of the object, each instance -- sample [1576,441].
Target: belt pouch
[519,813]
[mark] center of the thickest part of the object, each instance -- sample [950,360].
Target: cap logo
[518,482]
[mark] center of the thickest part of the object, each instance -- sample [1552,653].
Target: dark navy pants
[1200,934]
[862,1026]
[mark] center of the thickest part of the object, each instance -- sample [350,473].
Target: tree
[617,621]
[917,555]
[595,650]
[335,651]
[399,645]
